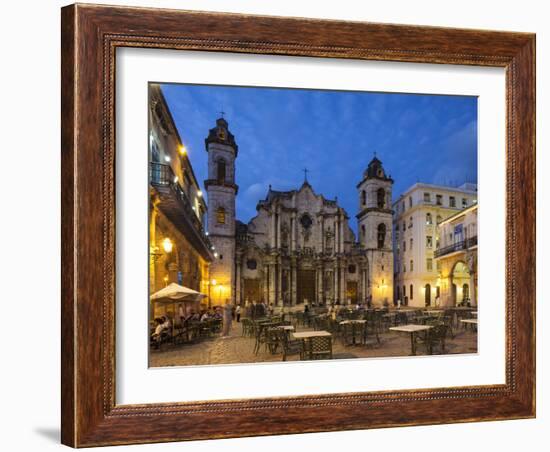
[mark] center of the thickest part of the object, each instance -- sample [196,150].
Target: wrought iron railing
[458,246]
[162,175]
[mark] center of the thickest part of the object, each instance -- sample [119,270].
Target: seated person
[161,325]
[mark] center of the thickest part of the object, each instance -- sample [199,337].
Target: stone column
[293,278]
[266,284]
[341,235]
[273,229]
[238,282]
[473,297]
[343,282]
[279,299]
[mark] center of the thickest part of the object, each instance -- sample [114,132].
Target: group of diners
[186,327]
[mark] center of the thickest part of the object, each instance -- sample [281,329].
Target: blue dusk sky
[334,134]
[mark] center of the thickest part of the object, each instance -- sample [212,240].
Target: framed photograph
[282,225]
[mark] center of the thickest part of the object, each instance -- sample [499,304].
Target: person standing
[227,318]
[238,312]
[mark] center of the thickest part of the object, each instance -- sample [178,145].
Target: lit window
[429,241]
[428,218]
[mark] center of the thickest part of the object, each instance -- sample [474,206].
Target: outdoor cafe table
[307,335]
[472,322]
[354,322]
[412,330]
[310,334]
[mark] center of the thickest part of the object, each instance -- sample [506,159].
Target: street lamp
[167,245]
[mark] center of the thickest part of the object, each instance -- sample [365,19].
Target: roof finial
[222,113]
[305,170]
[374,154]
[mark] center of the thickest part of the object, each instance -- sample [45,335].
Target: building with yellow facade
[457,258]
[179,248]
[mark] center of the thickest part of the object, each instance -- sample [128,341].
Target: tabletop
[411,328]
[308,334]
[474,321]
[286,327]
[345,322]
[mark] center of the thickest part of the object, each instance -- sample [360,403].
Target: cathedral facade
[299,248]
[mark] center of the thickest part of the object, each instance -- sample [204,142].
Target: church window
[380,196]
[306,221]
[220,215]
[351,268]
[363,197]
[251,264]
[221,170]
[428,218]
[381,235]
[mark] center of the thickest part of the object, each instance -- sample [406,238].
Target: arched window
[411,265]
[381,235]
[220,215]
[411,291]
[362,232]
[363,197]
[428,218]
[380,198]
[221,170]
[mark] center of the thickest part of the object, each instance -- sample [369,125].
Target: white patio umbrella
[175,294]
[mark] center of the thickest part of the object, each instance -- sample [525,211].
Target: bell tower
[221,190]
[375,229]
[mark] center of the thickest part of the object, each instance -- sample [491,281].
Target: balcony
[458,246]
[177,207]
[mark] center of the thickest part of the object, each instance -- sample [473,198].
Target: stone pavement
[237,349]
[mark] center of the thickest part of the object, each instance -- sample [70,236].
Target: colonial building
[457,258]
[417,214]
[299,247]
[180,250]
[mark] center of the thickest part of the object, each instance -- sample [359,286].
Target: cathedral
[299,248]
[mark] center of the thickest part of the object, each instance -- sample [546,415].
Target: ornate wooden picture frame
[90,37]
